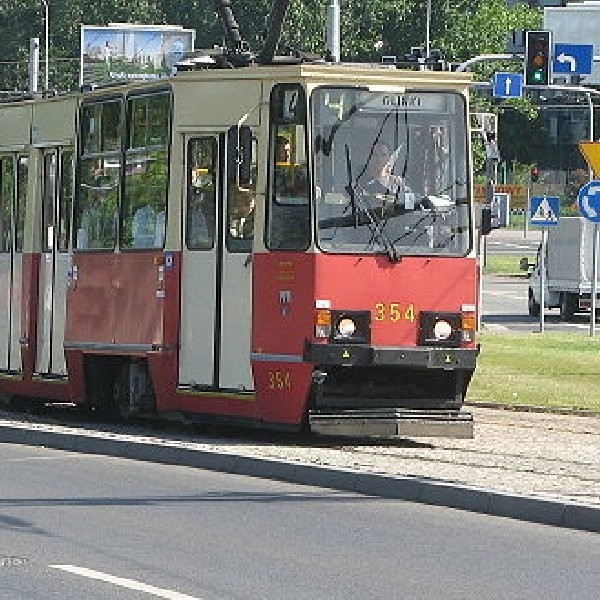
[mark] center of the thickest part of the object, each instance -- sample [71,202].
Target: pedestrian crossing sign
[544,210]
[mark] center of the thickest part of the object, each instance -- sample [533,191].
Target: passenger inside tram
[380,170]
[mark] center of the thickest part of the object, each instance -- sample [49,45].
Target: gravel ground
[548,455]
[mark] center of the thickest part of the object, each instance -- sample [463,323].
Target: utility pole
[333,30]
[34,64]
[428,30]
[46,44]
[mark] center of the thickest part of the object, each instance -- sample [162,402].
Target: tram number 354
[280,380]
[394,312]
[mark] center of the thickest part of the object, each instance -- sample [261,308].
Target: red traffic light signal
[535,174]
[538,57]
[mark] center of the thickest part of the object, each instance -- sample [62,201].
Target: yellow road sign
[591,153]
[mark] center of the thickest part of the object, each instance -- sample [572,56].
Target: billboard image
[124,51]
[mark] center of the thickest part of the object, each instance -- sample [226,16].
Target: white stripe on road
[126,583]
[512,295]
[516,246]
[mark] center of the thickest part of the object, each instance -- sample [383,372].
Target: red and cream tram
[229,245]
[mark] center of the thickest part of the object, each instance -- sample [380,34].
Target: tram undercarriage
[380,399]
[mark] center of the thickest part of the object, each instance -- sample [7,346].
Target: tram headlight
[351,326]
[439,329]
[442,330]
[346,327]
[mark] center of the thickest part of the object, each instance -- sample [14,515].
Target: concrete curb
[532,408]
[413,489]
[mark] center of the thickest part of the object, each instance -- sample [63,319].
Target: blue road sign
[544,210]
[575,59]
[508,85]
[589,201]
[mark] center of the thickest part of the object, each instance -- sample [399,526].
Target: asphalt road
[513,241]
[80,526]
[504,299]
[504,306]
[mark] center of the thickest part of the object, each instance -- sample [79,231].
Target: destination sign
[409,102]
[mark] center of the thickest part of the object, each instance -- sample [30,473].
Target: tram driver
[382,181]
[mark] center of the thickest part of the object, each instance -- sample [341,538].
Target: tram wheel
[132,392]
[121,397]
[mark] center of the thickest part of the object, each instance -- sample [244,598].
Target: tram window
[148,117]
[99,176]
[97,203]
[7,191]
[240,210]
[146,168]
[65,199]
[101,127]
[288,214]
[22,176]
[48,195]
[201,197]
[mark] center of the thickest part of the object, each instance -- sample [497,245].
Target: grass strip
[553,370]
[505,264]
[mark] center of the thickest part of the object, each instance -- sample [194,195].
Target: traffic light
[535,174]
[537,57]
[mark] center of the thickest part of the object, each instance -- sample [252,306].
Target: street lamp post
[46,30]
[428,30]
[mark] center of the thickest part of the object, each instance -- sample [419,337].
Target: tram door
[57,195]
[215,275]
[13,190]
[6,256]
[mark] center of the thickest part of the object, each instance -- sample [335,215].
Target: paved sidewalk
[537,467]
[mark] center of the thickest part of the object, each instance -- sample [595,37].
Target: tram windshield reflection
[390,172]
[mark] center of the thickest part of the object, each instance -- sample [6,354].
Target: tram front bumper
[393,423]
[366,391]
[420,357]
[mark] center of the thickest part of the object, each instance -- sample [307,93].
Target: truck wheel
[532,306]
[568,306]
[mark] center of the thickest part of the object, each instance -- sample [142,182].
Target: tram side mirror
[486,220]
[239,155]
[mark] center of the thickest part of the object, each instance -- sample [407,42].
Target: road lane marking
[34,458]
[512,295]
[130,584]
[513,246]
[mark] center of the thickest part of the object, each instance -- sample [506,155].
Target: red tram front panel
[288,288]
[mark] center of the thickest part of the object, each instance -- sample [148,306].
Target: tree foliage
[369,28]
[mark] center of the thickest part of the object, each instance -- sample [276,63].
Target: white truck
[569,269]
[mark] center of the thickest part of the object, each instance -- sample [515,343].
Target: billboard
[123,51]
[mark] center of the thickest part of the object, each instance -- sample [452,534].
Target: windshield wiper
[375,224]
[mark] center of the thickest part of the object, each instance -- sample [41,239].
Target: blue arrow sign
[508,85]
[545,210]
[589,201]
[575,59]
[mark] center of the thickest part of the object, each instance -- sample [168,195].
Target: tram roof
[327,71]
[312,72]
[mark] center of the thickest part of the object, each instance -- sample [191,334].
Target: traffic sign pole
[594,280]
[543,278]
[528,208]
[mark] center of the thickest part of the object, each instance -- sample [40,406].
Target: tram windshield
[391,172]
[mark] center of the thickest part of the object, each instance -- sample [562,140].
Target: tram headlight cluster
[440,329]
[343,326]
